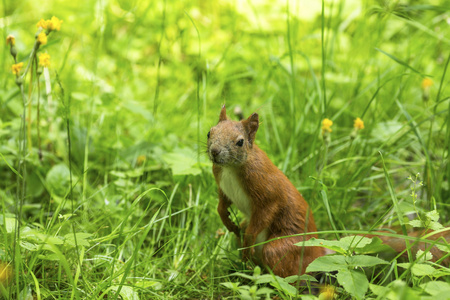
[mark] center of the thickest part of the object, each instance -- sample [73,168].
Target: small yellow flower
[42,23]
[141,159]
[44,59]
[5,273]
[426,83]
[358,123]
[54,23]
[10,39]
[42,38]
[326,125]
[16,68]
[327,293]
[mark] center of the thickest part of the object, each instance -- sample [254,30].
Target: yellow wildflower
[141,159]
[54,23]
[327,293]
[426,83]
[42,38]
[44,59]
[42,23]
[358,123]
[10,39]
[5,273]
[16,68]
[326,125]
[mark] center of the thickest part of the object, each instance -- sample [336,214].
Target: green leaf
[327,263]
[127,292]
[432,215]
[423,258]
[354,282]
[435,287]
[264,290]
[51,256]
[342,246]
[376,246]
[416,223]
[284,286]
[58,179]
[231,285]
[378,290]
[333,245]
[10,224]
[183,162]
[294,278]
[435,226]
[420,269]
[364,261]
[29,246]
[81,239]
[265,278]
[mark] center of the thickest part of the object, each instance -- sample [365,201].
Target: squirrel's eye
[209,133]
[240,142]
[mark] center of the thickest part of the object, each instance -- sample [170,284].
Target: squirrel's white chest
[232,188]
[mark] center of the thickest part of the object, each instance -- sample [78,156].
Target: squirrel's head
[229,142]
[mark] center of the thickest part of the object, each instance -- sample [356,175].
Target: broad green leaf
[364,261]
[342,246]
[423,258]
[29,246]
[354,282]
[376,246]
[327,263]
[127,292]
[10,224]
[243,275]
[294,278]
[283,285]
[435,225]
[432,215]
[231,285]
[49,239]
[333,245]
[81,239]
[396,290]
[378,290]
[436,287]
[264,290]
[58,179]
[416,223]
[331,263]
[265,278]
[50,256]
[420,269]
[183,162]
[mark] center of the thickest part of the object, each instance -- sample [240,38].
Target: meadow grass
[123,202]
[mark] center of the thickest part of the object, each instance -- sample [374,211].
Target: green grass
[136,85]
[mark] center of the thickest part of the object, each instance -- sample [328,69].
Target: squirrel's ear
[251,126]
[223,114]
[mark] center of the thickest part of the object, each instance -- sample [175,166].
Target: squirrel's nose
[215,151]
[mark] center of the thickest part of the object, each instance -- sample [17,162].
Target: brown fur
[276,205]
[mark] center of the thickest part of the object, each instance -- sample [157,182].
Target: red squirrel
[272,205]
